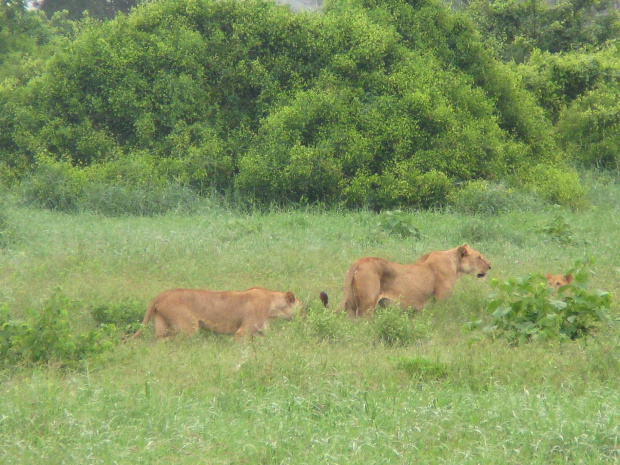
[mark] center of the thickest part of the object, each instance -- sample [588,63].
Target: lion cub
[225,312]
[556,281]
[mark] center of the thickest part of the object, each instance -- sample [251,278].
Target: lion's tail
[324,298]
[147,317]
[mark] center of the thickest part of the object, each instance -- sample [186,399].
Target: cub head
[284,305]
[556,281]
[472,262]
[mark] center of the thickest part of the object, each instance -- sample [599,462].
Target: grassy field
[321,390]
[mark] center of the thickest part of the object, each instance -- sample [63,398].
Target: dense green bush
[380,103]
[517,29]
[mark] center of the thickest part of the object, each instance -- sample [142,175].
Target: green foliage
[326,325]
[556,185]
[399,223]
[384,104]
[589,128]
[526,309]
[485,198]
[47,336]
[125,315]
[128,186]
[516,29]
[393,327]
[559,229]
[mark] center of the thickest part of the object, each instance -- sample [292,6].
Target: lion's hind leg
[367,291]
[161,326]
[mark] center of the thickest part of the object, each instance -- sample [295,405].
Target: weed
[399,223]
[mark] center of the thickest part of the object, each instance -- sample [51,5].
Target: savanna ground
[319,390]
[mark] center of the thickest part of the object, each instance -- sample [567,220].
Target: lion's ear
[290,297]
[462,251]
[569,278]
[549,276]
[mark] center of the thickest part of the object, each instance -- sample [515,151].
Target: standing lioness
[369,280]
[226,312]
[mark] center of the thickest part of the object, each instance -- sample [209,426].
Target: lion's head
[472,262]
[284,306]
[556,281]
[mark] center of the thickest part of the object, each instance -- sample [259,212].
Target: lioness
[225,312]
[370,281]
[556,281]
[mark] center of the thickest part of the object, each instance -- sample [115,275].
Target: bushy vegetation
[526,309]
[47,336]
[370,103]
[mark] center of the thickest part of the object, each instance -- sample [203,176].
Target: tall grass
[320,390]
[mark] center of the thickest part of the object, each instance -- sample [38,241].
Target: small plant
[125,315]
[326,325]
[393,327]
[399,223]
[526,309]
[559,229]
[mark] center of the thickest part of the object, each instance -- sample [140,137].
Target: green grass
[321,390]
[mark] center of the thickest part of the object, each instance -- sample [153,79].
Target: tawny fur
[371,281]
[556,281]
[225,312]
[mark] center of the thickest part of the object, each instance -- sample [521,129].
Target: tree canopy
[381,103]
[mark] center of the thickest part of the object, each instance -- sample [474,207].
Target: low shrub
[394,327]
[125,315]
[559,229]
[47,336]
[326,325]
[556,185]
[399,223]
[526,309]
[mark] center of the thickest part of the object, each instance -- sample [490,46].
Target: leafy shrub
[382,104]
[56,185]
[526,309]
[399,223]
[559,229]
[557,185]
[125,315]
[394,327]
[326,325]
[589,128]
[47,336]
